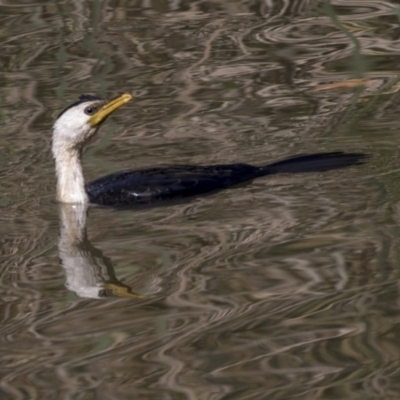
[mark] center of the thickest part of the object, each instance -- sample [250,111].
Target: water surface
[286,288]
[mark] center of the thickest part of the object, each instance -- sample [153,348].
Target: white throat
[70,180]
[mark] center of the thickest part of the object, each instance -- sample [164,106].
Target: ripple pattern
[286,288]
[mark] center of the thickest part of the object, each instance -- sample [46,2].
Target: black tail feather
[317,162]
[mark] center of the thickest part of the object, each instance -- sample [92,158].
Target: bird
[78,123]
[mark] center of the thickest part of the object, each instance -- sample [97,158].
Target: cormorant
[79,122]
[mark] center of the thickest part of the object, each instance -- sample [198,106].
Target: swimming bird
[79,123]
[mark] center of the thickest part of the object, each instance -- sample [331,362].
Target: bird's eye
[89,110]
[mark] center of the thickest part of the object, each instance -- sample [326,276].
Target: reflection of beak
[108,108]
[121,291]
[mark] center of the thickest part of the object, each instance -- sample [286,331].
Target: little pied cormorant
[79,122]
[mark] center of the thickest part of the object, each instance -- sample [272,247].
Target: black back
[148,186]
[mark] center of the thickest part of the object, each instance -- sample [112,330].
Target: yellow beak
[108,108]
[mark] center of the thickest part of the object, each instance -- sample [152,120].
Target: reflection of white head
[88,273]
[82,277]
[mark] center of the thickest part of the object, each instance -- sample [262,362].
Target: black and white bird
[79,122]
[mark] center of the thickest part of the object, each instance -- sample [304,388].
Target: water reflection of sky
[285,288]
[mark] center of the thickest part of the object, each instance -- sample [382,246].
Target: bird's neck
[70,180]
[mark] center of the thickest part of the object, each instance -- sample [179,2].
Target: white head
[78,123]
[74,127]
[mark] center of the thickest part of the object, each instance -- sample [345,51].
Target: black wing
[149,185]
[146,186]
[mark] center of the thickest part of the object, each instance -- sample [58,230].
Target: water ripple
[284,288]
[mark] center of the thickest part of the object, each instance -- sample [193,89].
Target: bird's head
[80,121]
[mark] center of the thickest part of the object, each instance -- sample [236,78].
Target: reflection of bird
[80,121]
[88,272]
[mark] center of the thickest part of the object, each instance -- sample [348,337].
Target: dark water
[287,288]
